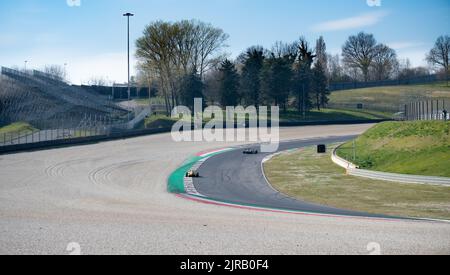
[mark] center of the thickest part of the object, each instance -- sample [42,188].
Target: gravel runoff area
[111,198]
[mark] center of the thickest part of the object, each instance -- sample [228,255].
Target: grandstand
[47,102]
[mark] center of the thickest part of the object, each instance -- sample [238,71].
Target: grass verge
[15,130]
[305,175]
[417,148]
[159,121]
[391,97]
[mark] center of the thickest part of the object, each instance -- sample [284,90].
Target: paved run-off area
[112,198]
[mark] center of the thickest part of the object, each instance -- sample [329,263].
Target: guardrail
[353,170]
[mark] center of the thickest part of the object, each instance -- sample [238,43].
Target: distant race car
[250,152]
[192,174]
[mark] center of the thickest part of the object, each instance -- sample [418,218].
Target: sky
[90,36]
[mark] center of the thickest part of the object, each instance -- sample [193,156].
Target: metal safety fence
[427,110]
[36,136]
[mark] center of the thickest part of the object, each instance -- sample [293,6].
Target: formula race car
[250,152]
[192,174]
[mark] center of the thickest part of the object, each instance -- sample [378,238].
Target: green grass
[417,148]
[391,97]
[333,115]
[156,121]
[15,130]
[311,177]
[17,127]
[153,100]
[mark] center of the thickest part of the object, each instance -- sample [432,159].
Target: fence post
[437,109]
[411,117]
[432,114]
[422,112]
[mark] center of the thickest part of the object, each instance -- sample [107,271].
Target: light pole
[128,15]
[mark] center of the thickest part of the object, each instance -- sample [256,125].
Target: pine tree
[253,61]
[277,80]
[320,86]
[319,75]
[192,87]
[304,75]
[229,84]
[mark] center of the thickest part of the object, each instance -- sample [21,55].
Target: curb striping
[178,183]
[190,193]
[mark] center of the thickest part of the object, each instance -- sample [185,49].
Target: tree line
[187,60]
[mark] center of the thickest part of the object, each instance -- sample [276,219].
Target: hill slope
[389,98]
[418,148]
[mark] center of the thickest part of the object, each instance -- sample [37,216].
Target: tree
[277,80]
[304,76]
[191,88]
[98,81]
[384,62]
[169,51]
[319,75]
[212,86]
[359,52]
[55,71]
[439,55]
[321,52]
[320,86]
[229,84]
[253,62]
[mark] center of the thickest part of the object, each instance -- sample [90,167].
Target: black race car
[250,152]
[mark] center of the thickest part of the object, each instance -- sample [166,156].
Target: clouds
[374,3]
[412,50]
[356,22]
[401,45]
[73,3]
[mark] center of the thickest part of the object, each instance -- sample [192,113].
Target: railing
[427,110]
[395,82]
[36,136]
[367,107]
[354,170]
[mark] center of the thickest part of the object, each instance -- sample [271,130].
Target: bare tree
[169,51]
[98,81]
[359,52]
[439,55]
[56,71]
[209,42]
[384,62]
[321,52]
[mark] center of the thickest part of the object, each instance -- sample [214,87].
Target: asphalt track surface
[238,178]
[112,198]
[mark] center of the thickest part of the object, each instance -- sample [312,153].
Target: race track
[237,178]
[111,198]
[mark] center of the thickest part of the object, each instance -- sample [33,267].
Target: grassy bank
[418,148]
[157,121]
[305,175]
[15,130]
[391,97]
